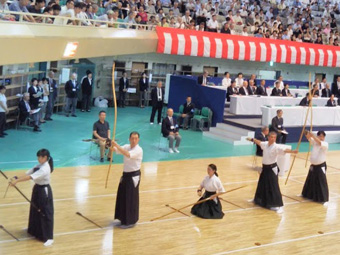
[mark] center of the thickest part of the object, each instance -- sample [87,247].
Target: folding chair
[204,118]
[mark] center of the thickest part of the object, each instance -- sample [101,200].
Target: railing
[83,23]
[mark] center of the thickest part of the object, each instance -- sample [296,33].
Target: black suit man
[123,86]
[52,97]
[232,90]
[170,131]
[71,88]
[261,90]
[276,91]
[143,90]
[188,113]
[286,91]
[86,88]
[305,100]
[33,91]
[326,92]
[331,101]
[157,98]
[261,137]
[245,90]
[203,79]
[336,87]
[26,112]
[277,126]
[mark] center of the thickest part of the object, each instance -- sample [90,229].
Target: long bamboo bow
[114,122]
[303,128]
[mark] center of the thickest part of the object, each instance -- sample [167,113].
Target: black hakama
[40,224]
[127,203]
[209,209]
[268,192]
[316,187]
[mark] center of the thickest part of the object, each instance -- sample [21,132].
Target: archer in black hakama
[40,224]
[316,187]
[127,203]
[268,192]
[211,209]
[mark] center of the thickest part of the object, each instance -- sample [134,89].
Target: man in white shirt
[127,202]
[212,24]
[280,80]
[316,187]
[3,111]
[226,82]
[268,192]
[186,18]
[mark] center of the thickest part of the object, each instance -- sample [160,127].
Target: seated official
[261,90]
[101,132]
[315,91]
[188,113]
[252,86]
[331,101]
[232,90]
[245,90]
[263,137]
[305,101]
[27,112]
[203,79]
[170,131]
[326,92]
[286,91]
[277,126]
[277,91]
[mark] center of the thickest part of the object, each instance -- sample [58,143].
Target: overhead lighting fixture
[70,49]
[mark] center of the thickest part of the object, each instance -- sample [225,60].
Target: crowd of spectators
[312,21]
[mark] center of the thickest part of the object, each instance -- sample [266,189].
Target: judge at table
[305,100]
[203,79]
[232,90]
[326,92]
[331,102]
[315,91]
[277,126]
[286,91]
[245,90]
[277,91]
[261,90]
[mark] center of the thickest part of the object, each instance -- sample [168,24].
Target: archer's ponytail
[50,162]
[46,153]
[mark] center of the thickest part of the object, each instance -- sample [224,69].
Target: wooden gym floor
[303,228]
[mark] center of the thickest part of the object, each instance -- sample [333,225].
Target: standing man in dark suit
[277,126]
[286,91]
[157,98]
[52,96]
[170,131]
[277,91]
[86,89]
[34,91]
[123,86]
[331,102]
[143,90]
[261,90]
[336,87]
[263,138]
[71,88]
[232,90]
[305,101]
[203,79]
[188,113]
[326,92]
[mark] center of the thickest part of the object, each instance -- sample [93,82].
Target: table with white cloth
[299,92]
[294,116]
[251,105]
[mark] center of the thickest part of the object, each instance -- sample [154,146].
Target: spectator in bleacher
[164,22]
[245,89]
[71,90]
[226,82]
[143,90]
[276,91]
[239,80]
[331,101]
[37,8]
[188,113]
[157,99]
[108,5]
[286,91]
[86,90]
[4,7]
[25,112]
[130,19]
[225,28]
[326,92]
[143,15]
[203,79]
[20,6]
[3,111]
[200,27]
[232,90]
[261,90]
[170,131]
[111,17]
[213,24]
[56,10]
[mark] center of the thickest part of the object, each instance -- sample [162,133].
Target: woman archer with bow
[40,224]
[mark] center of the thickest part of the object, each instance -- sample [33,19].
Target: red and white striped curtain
[216,45]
